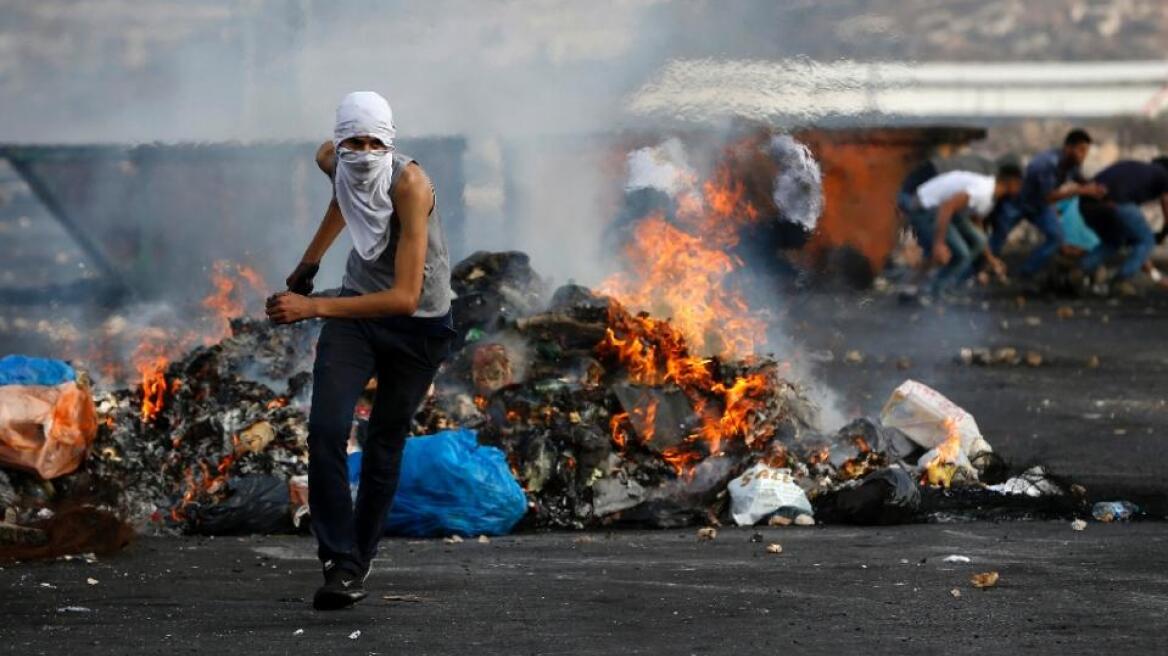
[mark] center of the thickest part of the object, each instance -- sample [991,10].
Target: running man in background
[1050,176]
[1118,219]
[942,215]
[392,319]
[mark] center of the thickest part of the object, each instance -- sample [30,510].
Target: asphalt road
[832,590]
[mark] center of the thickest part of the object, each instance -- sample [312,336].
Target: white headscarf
[363,178]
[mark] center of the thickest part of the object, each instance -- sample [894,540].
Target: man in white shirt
[943,214]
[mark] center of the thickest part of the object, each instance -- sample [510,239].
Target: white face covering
[363,178]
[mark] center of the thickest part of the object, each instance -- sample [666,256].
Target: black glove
[300,282]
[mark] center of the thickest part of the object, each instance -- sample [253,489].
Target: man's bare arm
[955,204]
[330,226]
[300,280]
[333,223]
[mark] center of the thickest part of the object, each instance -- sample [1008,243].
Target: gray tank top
[369,276]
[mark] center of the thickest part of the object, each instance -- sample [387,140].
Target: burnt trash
[661,417]
[253,504]
[612,495]
[227,410]
[602,417]
[494,288]
[885,497]
[883,439]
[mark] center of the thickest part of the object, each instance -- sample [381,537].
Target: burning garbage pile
[643,402]
[606,417]
[167,451]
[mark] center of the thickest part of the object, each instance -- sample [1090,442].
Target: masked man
[391,320]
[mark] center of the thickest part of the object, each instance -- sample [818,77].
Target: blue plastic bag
[450,485]
[1076,232]
[26,370]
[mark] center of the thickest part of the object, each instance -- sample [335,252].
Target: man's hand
[1092,189]
[300,282]
[996,267]
[287,307]
[941,254]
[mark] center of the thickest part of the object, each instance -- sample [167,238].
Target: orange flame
[941,469]
[619,436]
[681,270]
[654,352]
[228,300]
[153,387]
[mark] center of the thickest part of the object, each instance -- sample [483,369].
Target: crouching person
[943,215]
[1119,221]
[391,320]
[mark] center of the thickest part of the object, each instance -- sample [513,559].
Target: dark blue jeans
[1008,214]
[1134,233]
[349,353]
[965,240]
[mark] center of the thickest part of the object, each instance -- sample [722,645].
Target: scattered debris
[91,581]
[1114,511]
[405,599]
[804,520]
[955,558]
[74,609]
[354,635]
[955,593]
[1065,312]
[1033,482]
[453,539]
[984,580]
[854,357]
[1078,525]
[484,539]
[779,520]
[774,548]
[298,632]
[707,533]
[1000,356]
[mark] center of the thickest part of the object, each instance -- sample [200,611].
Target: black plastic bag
[256,504]
[884,497]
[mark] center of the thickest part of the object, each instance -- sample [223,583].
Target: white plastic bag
[921,413]
[761,490]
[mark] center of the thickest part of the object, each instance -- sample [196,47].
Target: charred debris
[605,416]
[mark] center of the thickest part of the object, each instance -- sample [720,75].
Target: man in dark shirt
[1117,218]
[1050,177]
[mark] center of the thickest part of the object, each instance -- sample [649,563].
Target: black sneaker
[341,589]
